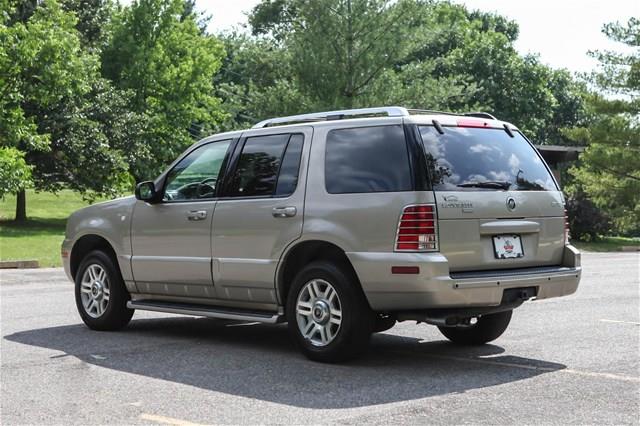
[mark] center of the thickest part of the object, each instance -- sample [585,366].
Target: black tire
[487,329]
[352,337]
[116,315]
[383,323]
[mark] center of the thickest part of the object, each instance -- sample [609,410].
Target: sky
[559,31]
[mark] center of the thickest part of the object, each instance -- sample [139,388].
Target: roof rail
[392,111]
[480,114]
[430,111]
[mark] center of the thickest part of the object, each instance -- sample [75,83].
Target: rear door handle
[197,215]
[284,211]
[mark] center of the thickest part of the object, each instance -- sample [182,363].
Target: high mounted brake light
[417,229]
[464,122]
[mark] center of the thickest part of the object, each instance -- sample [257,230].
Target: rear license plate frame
[501,244]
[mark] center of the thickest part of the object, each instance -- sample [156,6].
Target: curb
[19,264]
[630,248]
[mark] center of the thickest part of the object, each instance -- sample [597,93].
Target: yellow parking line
[166,420]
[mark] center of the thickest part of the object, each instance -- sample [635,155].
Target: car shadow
[259,361]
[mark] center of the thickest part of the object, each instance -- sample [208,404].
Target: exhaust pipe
[448,321]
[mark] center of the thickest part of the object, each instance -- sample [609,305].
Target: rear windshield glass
[475,159]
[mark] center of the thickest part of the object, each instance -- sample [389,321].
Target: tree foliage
[610,166]
[431,55]
[159,53]
[45,71]
[15,173]
[95,95]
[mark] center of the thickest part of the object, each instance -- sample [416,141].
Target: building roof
[560,153]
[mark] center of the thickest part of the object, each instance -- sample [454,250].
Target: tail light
[417,229]
[566,227]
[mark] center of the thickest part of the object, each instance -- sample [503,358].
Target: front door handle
[284,211]
[197,215]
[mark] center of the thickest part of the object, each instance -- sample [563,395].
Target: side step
[206,311]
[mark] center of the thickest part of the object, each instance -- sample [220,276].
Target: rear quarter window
[466,156]
[367,159]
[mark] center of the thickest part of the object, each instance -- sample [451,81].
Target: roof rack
[480,114]
[390,111]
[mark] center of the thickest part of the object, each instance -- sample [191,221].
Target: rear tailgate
[468,221]
[498,206]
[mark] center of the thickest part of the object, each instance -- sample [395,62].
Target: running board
[207,311]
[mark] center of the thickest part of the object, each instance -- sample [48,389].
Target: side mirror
[146,191]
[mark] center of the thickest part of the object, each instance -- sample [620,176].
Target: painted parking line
[620,322]
[611,376]
[166,420]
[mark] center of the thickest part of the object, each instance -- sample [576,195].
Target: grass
[607,244]
[40,237]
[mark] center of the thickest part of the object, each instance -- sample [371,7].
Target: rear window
[483,159]
[367,159]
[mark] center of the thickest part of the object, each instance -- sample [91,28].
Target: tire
[383,323]
[487,329]
[99,281]
[312,306]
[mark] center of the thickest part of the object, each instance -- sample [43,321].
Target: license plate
[507,246]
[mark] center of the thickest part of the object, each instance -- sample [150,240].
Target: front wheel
[101,296]
[329,318]
[488,328]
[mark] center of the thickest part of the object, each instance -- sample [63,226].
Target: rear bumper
[435,287]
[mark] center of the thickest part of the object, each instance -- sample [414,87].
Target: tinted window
[367,159]
[258,166]
[464,158]
[288,178]
[196,175]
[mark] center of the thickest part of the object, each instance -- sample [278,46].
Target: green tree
[159,53]
[93,19]
[609,170]
[42,68]
[424,54]
[15,173]
[256,81]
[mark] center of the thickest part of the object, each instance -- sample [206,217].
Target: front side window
[367,159]
[196,175]
[472,159]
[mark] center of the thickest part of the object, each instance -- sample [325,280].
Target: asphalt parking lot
[568,360]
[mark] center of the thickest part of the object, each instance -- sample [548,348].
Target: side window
[367,159]
[256,173]
[288,177]
[196,175]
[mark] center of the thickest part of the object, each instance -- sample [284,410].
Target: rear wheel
[101,296]
[329,318]
[488,328]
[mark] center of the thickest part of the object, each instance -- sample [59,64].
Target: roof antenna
[438,127]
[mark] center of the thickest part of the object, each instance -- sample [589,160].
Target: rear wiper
[486,184]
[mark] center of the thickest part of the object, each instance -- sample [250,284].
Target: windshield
[472,159]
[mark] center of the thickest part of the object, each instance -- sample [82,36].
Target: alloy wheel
[318,312]
[94,290]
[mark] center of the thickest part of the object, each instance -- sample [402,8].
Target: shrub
[586,221]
